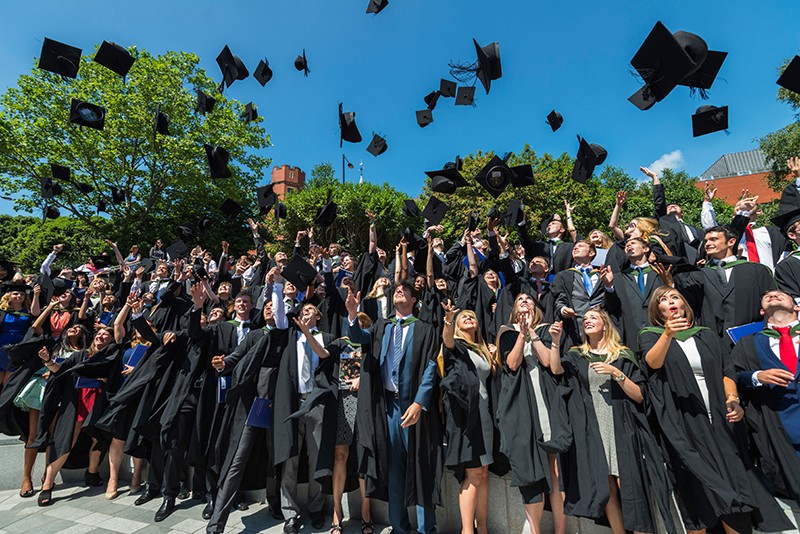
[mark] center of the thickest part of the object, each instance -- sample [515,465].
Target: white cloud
[671,160]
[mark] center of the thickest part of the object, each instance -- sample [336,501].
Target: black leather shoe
[241,506]
[167,507]
[147,496]
[208,510]
[318,520]
[184,492]
[275,510]
[292,526]
[92,479]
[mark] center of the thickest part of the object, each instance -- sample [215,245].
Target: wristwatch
[620,377]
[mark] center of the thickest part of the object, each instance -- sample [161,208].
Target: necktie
[539,288]
[752,249]
[398,350]
[721,272]
[587,280]
[553,245]
[640,279]
[305,374]
[787,350]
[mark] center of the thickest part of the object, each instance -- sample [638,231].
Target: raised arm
[658,353]
[659,196]
[568,208]
[38,324]
[450,312]
[85,304]
[613,223]
[373,233]
[473,265]
[117,254]
[35,306]
[48,261]
[556,329]
[119,322]
[316,346]
[708,217]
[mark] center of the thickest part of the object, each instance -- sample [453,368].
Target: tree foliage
[165,179]
[784,143]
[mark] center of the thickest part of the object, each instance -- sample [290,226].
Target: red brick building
[286,179]
[741,170]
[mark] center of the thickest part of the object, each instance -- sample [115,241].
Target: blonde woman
[469,368]
[611,440]
[16,314]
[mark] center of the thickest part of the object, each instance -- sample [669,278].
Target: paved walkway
[79,510]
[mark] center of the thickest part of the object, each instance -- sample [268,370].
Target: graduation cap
[147,264]
[301,63]
[184,231]
[523,176]
[413,240]
[377,146]
[177,249]
[205,103]
[348,131]
[472,221]
[265,198]
[9,268]
[456,164]
[447,88]
[465,95]
[59,286]
[709,119]
[10,287]
[100,262]
[589,156]
[790,77]
[495,177]
[446,180]
[84,187]
[117,195]
[115,58]
[101,206]
[217,161]
[230,208]
[60,172]
[431,99]
[161,125]
[60,58]
[435,210]
[50,189]
[52,212]
[786,217]
[410,208]
[263,73]
[704,77]
[326,214]
[250,112]
[86,114]
[204,223]
[232,68]
[280,209]
[514,214]
[424,117]
[299,272]
[376,6]
[555,120]
[488,63]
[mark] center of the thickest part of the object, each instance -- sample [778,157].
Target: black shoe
[167,507]
[318,520]
[198,496]
[292,526]
[147,496]
[92,479]
[241,506]
[275,510]
[184,493]
[208,511]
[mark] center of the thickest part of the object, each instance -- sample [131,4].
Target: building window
[291,189]
[291,175]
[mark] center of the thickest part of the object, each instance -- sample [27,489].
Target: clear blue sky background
[572,56]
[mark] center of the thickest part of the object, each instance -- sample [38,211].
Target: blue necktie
[398,351]
[640,279]
[587,280]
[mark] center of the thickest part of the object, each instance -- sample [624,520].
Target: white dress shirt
[303,388]
[774,345]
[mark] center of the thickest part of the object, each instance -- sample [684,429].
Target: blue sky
[572,56]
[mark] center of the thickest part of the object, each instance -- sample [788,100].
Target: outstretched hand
[450,311]
[352,302]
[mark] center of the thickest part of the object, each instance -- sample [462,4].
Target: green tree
[784,143]
[165,179]
[322,175]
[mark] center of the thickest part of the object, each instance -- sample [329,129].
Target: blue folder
[136,355]
[738,332]
[223,385]
[260,415]
[87,383]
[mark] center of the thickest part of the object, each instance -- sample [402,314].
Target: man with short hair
[554,248]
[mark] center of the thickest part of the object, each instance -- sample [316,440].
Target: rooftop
[737,164]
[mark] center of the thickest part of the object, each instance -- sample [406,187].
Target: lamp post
[349,166]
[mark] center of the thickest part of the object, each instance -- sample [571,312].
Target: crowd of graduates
[644,376]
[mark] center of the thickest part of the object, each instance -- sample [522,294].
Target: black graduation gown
[770,446]
[424,468]
[639,460]
[787,274]
[627,304]
[709,466]
[475,294]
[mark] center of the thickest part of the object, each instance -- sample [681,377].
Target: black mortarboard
[177,249]
[9,287]
[410,208]
[59,286]
[115,58]
[9,268]
[230,208]
[265,198]
[472,221]
[413,240]
[446,180]
[555,120]
[60,172]
[185,231]
[147,264]
[204,223]
[435,210]
[52,212]
[231,66]
[514,214]
[704,77]
[100,262]
[86,114]
[465,95]
[60,58]
[589,156]
[523,176]
[786,218]
[50,189]
[205,103]
[790,78]
[494,213]
[488,63]
[117,195]
[431,99]
[299,272]
[263,73]
[447,88]
[348,131]
[250,112]
[424,117]
[161,125]
[495,176]
[280,209]
[84,188]
[377,146]
[218,161]
[376,6]
[101,206]
[301,63]
[326,214]
[709,119]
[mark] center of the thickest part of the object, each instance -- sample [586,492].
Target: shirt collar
[790,325]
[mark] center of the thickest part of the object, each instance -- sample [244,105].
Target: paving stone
[77,529]
[190,525]
[39,523]
[68,512]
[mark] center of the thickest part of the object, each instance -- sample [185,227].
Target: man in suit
[682,239]
[541,286]
[766,373]
[579,289]
[399,425]
[554,248]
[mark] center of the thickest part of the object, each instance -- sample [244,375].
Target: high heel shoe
[45,497]
[26,493]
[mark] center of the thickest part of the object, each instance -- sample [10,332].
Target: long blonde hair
[5,302]
[611,340]
[479,344]
[650,231]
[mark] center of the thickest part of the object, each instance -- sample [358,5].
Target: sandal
[26,493]
[336,528]
[45,497]
[366,527]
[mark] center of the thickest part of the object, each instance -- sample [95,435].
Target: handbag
[31,395]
